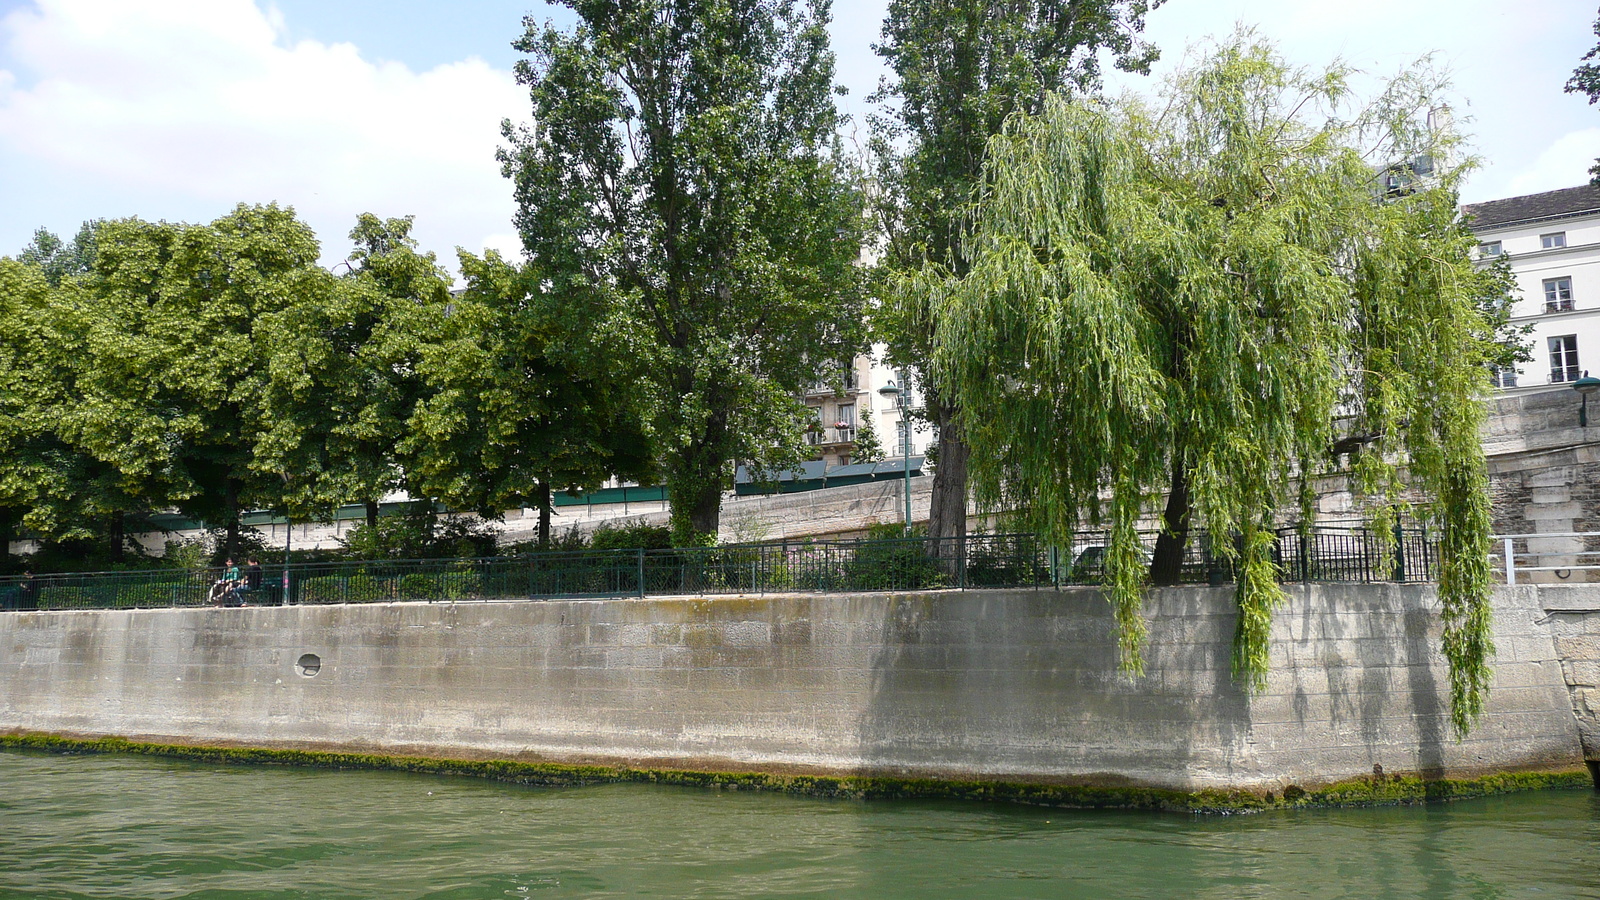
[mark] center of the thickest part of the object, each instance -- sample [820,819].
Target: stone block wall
[1573,615]
[1017,685]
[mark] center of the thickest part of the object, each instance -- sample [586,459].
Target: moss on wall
[1375,790]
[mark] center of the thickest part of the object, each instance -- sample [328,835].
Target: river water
[133,827]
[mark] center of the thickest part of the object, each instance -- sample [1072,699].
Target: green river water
[135,827]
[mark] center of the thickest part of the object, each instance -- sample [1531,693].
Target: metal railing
[976,561]
[1559,553]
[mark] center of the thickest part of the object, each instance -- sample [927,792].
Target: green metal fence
[976,561]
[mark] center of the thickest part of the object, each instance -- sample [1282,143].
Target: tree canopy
[1196,300]
[516,404]
[961,68]
[1586,80]
[682,183]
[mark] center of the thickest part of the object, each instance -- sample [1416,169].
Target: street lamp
[1585,386]
[902,400]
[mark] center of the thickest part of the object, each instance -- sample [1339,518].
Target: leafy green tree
[60,260]
[960,68]
[50,481]
[174,365]
[515,403]
[868,448]
[343,380]
[1185,301]
[1496,297]
[683,183]
[1586,80]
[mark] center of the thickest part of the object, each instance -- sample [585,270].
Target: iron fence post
[1399,553]
[1511,564]
[1305,558]
[962,549]
[640,553]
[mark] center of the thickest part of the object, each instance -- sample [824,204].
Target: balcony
[849,385]
[829,437]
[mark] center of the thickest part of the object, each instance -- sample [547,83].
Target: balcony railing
[849,384]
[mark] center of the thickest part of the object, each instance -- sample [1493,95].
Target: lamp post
[902,402]
[1585,386]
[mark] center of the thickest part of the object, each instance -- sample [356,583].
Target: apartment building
[841,405]
[1552,241]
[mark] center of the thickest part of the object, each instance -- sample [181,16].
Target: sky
[180,109]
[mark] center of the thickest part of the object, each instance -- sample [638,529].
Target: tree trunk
[544,513]
[694,484]
[372,514]
[1166,567]
[116,536]
[695,495]
[231,506]
[947,512]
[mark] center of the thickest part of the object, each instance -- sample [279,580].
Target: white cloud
[1565,163]
[204,100]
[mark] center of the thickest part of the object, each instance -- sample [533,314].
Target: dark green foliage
[889,560]
[519,398]
[59,260]
[1007,561]
[422,533]
[682,190]
[631,536]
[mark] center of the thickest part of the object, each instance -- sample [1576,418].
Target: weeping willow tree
[1185,307]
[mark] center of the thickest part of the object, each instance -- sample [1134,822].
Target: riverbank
[1374,790]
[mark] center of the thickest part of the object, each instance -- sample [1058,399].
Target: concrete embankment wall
[1017,685]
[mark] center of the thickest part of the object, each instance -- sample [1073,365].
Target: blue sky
[178,109]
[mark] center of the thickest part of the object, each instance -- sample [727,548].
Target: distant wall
[1014,684]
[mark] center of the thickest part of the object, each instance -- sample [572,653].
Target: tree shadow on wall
[1026,683]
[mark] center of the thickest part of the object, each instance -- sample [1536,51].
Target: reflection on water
[129,827]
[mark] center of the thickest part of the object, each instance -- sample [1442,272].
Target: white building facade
[1552,241]
[841,409]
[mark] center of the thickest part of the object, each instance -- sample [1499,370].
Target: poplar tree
[1200,299]
[683,179]
[960,68]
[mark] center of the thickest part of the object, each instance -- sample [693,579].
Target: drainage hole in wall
[309,664]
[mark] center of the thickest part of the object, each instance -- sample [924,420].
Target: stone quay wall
[1574,620]
[1011,685]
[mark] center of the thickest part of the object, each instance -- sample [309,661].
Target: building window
[847,415]
[1489,248]
[1502,378]
[1557,295]
[1553,241]
[1564,359]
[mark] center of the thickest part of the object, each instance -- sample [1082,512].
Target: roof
[816,470]
[1563,204]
